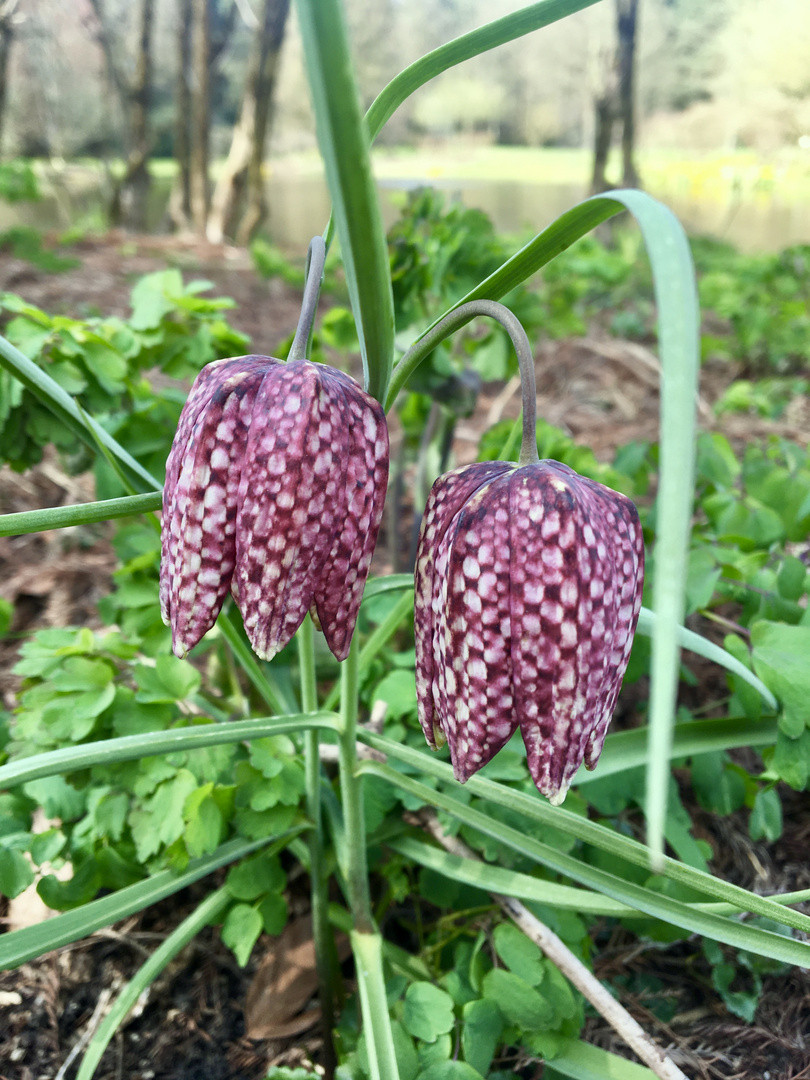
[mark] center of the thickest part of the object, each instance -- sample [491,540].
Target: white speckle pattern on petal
[275,488]
[528,590]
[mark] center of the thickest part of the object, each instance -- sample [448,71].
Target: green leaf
[15,872]
[205,825]
[76,891]
[765,822]
[519,954]
[45,846]
[343,140]
[241,930]
[398,691]
[512,26]
[780,655]
[791,578]
[450,1070]
[579,1061]
[254,877]
[273,910]
[520,1004]
[428,1011]
[481,1033]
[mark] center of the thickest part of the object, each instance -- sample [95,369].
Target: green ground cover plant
[163,770]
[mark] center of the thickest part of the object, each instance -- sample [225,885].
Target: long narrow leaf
[177,940]
[343,141]
[133,747]
[644,900]
[62,517]
[581,1061]
[427,67]
[497,879]
[22,945]
[695,643]
[62,405]
[590,832]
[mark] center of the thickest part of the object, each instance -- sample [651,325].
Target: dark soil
[191,1026]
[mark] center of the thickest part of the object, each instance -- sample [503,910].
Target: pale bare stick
[573,969]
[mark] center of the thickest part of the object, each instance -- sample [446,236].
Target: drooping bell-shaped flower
[528,589]
[275,487]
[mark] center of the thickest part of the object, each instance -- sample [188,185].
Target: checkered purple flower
[528,589]
[275,487]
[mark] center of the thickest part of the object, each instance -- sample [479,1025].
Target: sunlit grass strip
[62,405]
[518,24]
[186,931]
[343,140]
[133,747]
[63,517]
[644,900]
[581,1061]
[537,809]
[32,941]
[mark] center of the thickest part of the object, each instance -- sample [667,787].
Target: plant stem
[319,882]
[356,869]
[453,321]
[316,257]
[365,939]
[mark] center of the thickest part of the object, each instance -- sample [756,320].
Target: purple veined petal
[629,552]
[200,529]
[574,564]
[477,631]
[288,494]
[362,438]
[446,498]
[202,390]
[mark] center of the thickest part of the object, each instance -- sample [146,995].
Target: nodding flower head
[528,589]
[275,487]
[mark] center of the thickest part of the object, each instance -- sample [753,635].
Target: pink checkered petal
[354,424]
[209,380]
[446,499]
[199,528]
[289,494]
[477,631]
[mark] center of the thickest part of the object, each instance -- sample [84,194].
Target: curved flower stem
[316,257]
[319,882]
[454,321]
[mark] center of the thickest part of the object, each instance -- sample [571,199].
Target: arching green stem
[454,321]
[316,257]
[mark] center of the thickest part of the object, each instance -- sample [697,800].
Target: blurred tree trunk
[8,20]
[626,25]
[199,188]
[604,108]
[614,101]
[238,206]
[180,208]
[128,204]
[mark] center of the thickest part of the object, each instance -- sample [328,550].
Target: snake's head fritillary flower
[528,589]
[275,487]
